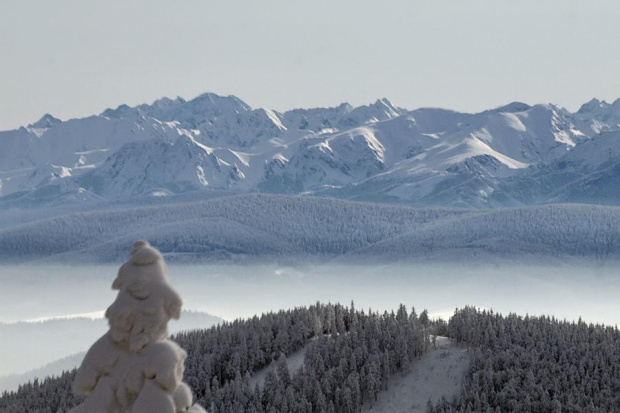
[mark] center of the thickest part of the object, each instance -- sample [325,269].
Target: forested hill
[535,364]
[519,364]
[350,361]
[277,227]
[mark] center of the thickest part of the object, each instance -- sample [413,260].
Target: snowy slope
[590,173]
[32,156]
[439,373]
[414,156]
[160,167]
[376,152]
[598,116]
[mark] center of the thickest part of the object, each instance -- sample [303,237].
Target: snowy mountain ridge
[374,152]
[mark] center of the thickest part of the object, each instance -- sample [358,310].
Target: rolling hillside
[267,227]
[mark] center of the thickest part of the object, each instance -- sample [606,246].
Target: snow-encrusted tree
[134,367]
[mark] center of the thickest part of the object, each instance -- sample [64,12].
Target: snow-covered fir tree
[134,367]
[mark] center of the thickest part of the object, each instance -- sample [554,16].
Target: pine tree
[134,367]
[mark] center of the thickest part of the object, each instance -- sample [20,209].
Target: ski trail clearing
[438,373]
[293,361]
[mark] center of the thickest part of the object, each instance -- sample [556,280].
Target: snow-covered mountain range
[509,156]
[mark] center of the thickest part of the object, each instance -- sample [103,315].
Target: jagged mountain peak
[513,107]
[46,121]
[166,102]
[344,107]
[385,104]
[121,111]
[172,166]
[593,105]
[218,100]
[167,109]
[382,109]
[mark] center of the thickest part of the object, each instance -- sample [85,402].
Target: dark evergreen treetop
[535,364]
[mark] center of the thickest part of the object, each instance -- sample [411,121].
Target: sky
[74,58]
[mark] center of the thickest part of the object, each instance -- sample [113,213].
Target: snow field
[437,374]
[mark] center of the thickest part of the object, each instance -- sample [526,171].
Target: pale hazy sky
[74,58]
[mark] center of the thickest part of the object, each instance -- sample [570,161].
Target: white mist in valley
[563,292]
[29,292]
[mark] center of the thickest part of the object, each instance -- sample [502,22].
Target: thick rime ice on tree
[134,368]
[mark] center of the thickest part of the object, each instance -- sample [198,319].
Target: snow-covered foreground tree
[134,367]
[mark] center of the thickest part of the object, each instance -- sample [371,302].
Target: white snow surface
[438,373]
[294,361]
